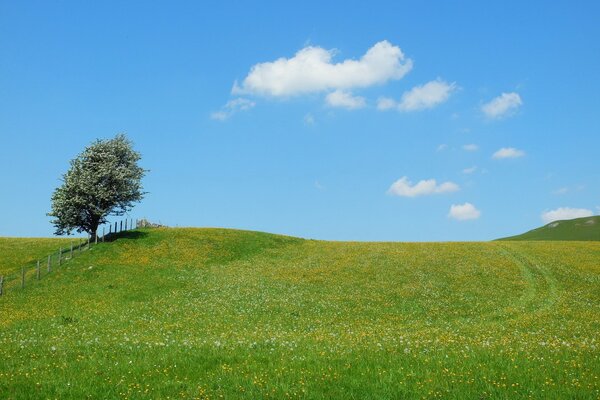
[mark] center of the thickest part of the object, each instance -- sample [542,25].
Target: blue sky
[320,121]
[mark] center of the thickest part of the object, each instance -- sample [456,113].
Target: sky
[379,121]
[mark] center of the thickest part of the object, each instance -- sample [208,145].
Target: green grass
[579,229]
[213,313]
[18,252]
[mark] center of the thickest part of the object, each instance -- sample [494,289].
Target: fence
[35,271]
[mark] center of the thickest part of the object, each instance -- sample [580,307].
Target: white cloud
[344,99]
[418,98]
[508,152]
[312,70]
[232,107]
[502,105]
[470,147]
[562,213]
[464,212]
[403,187]
[441,147]
[469,170]
[385,103]
[426,96]
[309,119]
[562,190]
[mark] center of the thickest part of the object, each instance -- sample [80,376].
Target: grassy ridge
[17,252]
[587,228]
[211,313]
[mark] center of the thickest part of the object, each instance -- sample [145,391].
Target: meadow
[18,252]
[216,313]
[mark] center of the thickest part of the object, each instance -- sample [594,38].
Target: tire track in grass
[542,290]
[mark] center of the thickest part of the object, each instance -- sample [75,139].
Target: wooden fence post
[37,270]
[49,261]
[121,226]
[125,223]
[1,283]
[22,277]
[115,226]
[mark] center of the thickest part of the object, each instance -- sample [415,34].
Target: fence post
[60,257]
[49,261]
[125,223]
[121,226]
[71,249]
[115,226]
[110,229]
[37,270]
[1,283]
[22,277]
[103,235]
[96,237]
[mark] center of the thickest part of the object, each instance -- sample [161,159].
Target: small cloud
[385,103]
[312,70]
[426,96]
[404,188]
[503,105]
[562,190]
[344,99]
[463,212]
[232,107]
[508,152]
[319,186]
[309,119]
[419,98]
[441,147]
[563,213]
[469,170]
[470,147]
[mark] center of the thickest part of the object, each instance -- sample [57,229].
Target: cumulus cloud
[469,170]
[232,107]
[562,213]
[470,147]
[508,152]
[403,187]
[343,99]
[419,98]
[503,105]
[312,70]
[463,212]
[426,96]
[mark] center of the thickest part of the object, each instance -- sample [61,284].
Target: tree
[103,180]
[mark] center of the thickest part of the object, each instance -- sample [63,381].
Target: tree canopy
[105,179]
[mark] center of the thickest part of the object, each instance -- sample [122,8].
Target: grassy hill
[16,252]
[214,313]
[587,228]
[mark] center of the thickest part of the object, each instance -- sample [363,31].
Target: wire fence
[23,277]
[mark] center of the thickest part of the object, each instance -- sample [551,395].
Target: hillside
[215,313]
[16,252]
[587,228]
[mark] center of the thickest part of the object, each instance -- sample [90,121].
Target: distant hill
[587,228]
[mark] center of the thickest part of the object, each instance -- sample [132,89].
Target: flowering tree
[105,179]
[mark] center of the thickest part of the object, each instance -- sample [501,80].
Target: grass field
[17,252]
[213,313]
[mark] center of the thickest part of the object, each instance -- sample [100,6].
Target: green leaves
[105,179]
